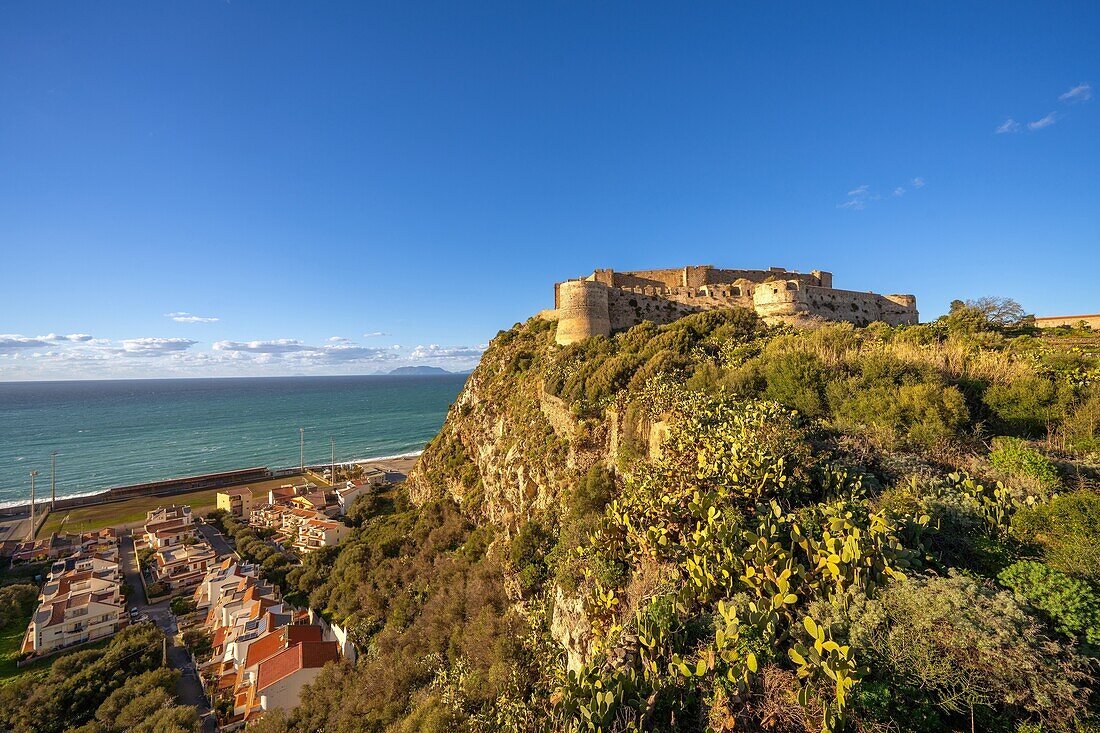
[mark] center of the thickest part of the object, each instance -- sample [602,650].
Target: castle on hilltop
[607,301]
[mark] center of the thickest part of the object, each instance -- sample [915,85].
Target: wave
[375,459]
[41,503]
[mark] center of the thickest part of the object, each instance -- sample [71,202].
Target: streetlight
[332,474]
[30,533]
[302,449]
[53,478]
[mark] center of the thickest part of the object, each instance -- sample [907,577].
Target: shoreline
[128,512]
[399,463]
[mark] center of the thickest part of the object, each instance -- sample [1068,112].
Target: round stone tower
[582,311]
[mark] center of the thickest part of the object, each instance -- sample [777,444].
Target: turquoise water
[110,433]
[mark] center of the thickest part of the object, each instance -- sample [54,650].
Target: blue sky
[349,187]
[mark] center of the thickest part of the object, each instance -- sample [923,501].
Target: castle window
[736,291]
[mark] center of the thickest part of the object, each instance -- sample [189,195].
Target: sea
[119,432]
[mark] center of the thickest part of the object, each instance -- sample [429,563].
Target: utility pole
[53,478]
[332,444]
[302,449]
[30,532]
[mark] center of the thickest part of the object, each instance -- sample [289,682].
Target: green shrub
[1081,427]
[528,553]
[16,602]
[592,492]
[967,647]
[897,411]
[796,380]
[1067,529]
[1027,405]
[1017,459]
[1073,605]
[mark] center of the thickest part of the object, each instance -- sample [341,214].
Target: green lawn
[123,512]
[134,510]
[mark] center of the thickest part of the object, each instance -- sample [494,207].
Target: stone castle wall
[1092,321]
[609,301]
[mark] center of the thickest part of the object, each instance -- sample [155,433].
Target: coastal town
[242,647]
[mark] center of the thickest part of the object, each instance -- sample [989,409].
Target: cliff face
[508,449]
[510,452]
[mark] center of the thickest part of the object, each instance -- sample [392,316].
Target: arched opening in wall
[736,292]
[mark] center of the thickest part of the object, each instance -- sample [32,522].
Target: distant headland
[418,371]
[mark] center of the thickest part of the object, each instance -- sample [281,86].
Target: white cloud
[861,196]
[184,317]
[435,351]
[337,339]
[375,334]
[857,198]
[352,352]
[1080,93]
[1047,121]
[277,346]
[16,341]
[1009,125]
[150,346]
[70,337]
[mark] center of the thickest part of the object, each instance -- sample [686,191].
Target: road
[189,687]
[216,539]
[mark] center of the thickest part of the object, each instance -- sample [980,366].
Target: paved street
[216,539]
[189,687]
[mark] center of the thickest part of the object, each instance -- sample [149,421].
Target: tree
[182,605]
[965,319]
[1000,312]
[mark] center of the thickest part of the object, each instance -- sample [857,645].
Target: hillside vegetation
[718,525]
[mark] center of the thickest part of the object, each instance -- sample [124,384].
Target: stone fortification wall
[1092,321]
[699,275]
[608,301]
[791,300]
[581,310]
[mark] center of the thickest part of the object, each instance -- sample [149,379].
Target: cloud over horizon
[150,346]
[185,317]
[80,355]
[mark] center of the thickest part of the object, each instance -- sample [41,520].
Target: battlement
[608,301]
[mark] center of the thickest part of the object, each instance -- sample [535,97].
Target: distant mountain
[418,370]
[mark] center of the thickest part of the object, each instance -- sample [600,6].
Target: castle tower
[582,311]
